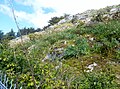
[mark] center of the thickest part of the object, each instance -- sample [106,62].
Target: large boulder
[62,21]
[114,10]
[66,19]
[80,16]
[115,13]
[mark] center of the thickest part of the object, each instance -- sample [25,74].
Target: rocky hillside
[87,18]
[79,52]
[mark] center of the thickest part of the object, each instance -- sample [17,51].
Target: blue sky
[36,13]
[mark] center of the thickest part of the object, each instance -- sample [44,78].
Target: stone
[62,21]
[91,38]
[48,56]
[66,19]
[69,17]
[56,53]
[91,67]
[114,10]
[90,23]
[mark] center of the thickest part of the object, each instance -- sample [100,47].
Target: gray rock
[62,21]
[57,53]
[66,19]
[90,23]
[91,67]
[69,17]
[106,17]
[82,16]
[79,17]
[59,49]
[48,56]
[114,10]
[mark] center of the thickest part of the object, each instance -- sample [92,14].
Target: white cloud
[39,19]
[69,6]
[5,9]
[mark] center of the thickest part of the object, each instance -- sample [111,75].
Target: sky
[37,13]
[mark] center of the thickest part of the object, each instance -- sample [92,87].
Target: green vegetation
[55,20]
[60,60]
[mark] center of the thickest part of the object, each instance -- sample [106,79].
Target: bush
[96,81]
[81,47]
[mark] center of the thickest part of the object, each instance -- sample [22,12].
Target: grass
[67,71]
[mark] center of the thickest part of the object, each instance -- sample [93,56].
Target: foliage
[106,36]
[81,47]
[1,35]
[10,35]
[54,20]
[26,31]
[25,64]
[96,81]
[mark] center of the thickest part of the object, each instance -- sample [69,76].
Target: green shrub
[81,47]
[96,81]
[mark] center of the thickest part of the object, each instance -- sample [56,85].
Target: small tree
[26,31]
[55,20]
[10,35]
[1,35]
